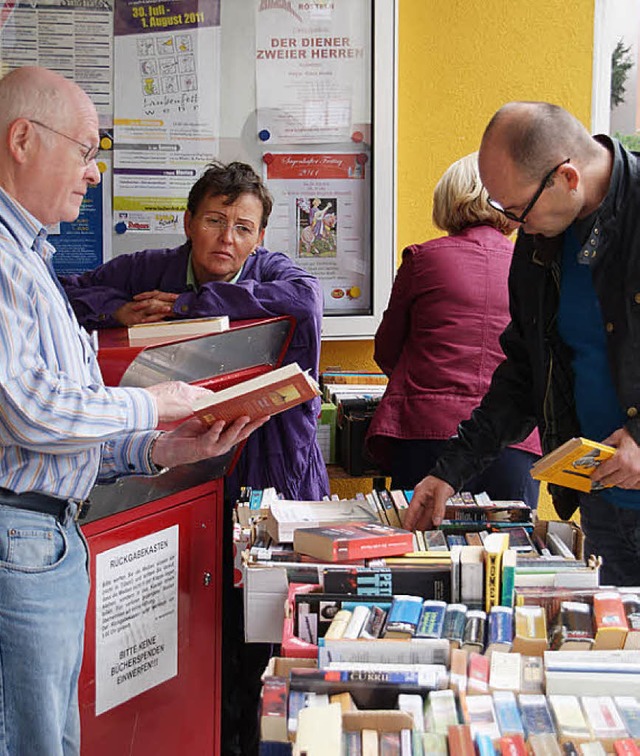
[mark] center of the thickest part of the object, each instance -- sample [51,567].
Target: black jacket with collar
[534,384]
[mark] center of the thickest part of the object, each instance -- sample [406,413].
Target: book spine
[431,622]
[391,512]
[500,626]
[454,623]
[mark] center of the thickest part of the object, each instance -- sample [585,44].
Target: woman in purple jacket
[438,341]
[222,269]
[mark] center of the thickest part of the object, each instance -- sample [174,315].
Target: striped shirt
[61,428]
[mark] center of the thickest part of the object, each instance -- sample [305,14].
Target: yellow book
[572,464]
[494,546]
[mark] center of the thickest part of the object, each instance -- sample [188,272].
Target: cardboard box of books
[561,534]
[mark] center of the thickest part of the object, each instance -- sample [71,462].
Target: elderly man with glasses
[572,363]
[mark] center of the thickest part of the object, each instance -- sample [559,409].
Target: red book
[626,747]
[352,540]
[460,741]
[268,394]
[512,745]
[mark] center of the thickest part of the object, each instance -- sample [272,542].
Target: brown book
[573,629]
[460,740]
[268,394]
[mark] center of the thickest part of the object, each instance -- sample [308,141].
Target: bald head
[37,93]
[536,136]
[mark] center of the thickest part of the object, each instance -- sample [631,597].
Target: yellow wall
[458,62]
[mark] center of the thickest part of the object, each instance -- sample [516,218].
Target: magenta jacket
[438,339]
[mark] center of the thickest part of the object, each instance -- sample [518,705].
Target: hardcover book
[267,394]
[355,540]
[572,464]
[573,628]
[150,334]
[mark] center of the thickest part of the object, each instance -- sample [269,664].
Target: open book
[572,464]
[149,334]
[268,394]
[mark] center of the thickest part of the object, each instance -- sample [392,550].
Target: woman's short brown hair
[460,199]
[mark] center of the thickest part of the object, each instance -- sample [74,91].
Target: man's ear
[570,175]
[20,139]
[261,237]
[186,221]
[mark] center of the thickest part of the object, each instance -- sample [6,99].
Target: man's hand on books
[623,469]
[175,399]
[146,307]
[191,441]
[427,506]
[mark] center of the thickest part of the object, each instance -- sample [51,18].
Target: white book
[505,671]
[356,623]
[285,517]
[413,703]
[147,334]
[385,651]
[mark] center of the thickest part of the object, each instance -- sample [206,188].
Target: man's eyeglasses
[88,154]
[523,216]
[220,225]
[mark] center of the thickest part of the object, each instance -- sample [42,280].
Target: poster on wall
[167,109]
[312,71]
[73,38]
[136,617]
[320,219]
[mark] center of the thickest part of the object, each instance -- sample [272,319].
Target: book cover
[513,745]
[569,718]
[458,670]
[319,724]
[505,671]
[460,740]
[626,747]
[631,603]
[474,630]
[573,628]
[383,651]
[414,705]
[536,716]
[267,394]
[370,742]
[389,744]
[480,715]
[508,583]
[629,709]
[478,674]
[572,464]
[530,631]
[273,709]
[532,677]
[454,622]
[431,622]
[494,546]
[151,334]
[440,711]
[610,621]
[499,629]
[507,712]
[603,719]
[434,744]
[283,517]
[544,745]
[353,540]
[403,617]
[472,576]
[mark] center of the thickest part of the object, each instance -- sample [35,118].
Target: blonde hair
[460,199]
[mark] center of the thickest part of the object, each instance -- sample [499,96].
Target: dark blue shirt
[580,326]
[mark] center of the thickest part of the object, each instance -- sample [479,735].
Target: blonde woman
[438,340]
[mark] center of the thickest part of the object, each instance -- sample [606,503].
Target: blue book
[408,495]
[256,498]
[403,617]
[484,744]
[500,629]
[431,622]
[507,713]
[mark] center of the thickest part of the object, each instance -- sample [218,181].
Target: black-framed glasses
[523,216]
[89,154]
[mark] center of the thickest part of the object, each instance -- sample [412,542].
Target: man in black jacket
[572,348]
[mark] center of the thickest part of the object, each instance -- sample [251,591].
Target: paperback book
[572,464]
[353,540]
[150,334]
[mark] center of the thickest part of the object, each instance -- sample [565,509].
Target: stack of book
[419,709]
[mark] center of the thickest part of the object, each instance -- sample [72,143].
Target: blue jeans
[44,588]
[614,534]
